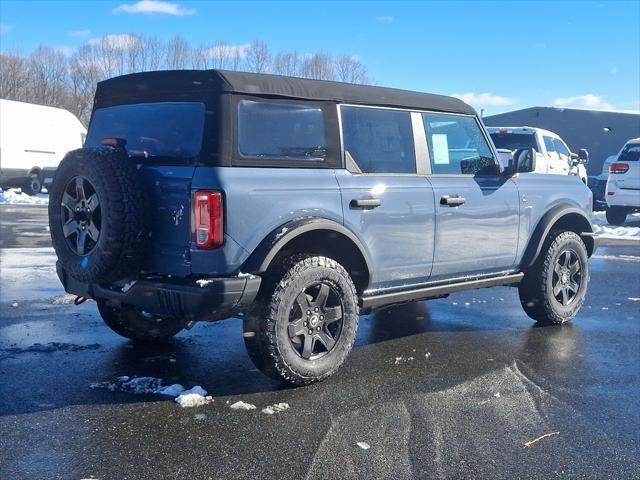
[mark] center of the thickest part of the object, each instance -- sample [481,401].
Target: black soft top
[207,85]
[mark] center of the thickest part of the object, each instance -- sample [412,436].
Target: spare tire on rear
[98,216]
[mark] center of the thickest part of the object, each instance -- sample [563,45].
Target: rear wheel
[302,327]
[129,322]
[616,215]
[33,185]
[554,289]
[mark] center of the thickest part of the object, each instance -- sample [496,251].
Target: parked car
[623,185]
[598,184]
[33,141]
[299,204]
[552,154]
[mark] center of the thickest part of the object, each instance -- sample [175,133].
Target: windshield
[514,141]
[630,153]
[151,129]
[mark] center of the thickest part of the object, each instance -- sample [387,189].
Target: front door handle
[365,203]
[452,200]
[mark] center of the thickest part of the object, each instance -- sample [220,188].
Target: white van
[552,154]
[33,141]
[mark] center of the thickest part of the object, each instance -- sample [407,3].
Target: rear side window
[379,140]
[287,131]
[152,130]
[630,153]
[457,145]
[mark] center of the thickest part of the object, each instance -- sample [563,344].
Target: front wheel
[129,322]
[303,325]
[554,289]
[616,215]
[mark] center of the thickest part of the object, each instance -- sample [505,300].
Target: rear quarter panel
[258,201]
[541,193]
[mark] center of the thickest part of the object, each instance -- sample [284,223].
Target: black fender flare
[274,242]
[546,223]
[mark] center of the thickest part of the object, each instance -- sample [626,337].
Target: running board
[425,293]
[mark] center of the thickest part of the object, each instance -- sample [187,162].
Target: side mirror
[583,156]
[524,160]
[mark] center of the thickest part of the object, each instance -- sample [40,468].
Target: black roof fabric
[205,84]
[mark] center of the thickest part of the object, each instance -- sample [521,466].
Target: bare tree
[178,54]
[318,66]
[350,69]
[48,77]
[287,63]
[14,77]
[258,57]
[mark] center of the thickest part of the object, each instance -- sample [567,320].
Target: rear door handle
[452,200]
[365,203]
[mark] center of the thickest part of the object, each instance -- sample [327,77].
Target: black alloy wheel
[315,323]
[80,215]
[567,277]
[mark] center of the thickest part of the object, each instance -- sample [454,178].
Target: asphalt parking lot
[452,388]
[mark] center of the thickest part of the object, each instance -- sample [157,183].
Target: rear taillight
[619,168]
[208,218]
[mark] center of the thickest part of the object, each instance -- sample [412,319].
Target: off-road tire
[616,215]
[125,217]
[33,185]
[129,322]
[536,288]
[266,323]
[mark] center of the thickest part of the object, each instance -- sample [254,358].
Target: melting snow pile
[624,232]
[275,408]
[11,197]
[240,405]
[193,397]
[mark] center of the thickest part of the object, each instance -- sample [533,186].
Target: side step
[424,293]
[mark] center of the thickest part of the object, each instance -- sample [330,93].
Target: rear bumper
[188,298]
[623,197]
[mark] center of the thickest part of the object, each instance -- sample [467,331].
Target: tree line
[49,77]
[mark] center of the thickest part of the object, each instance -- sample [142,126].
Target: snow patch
[194,397]
[203,282]
[246,275]
[240,405]
[190,400]
[400,360]
[172,390]
[364,445]
[602,228]
[275,408]
[11,197]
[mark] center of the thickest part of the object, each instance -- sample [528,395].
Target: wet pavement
[450,388]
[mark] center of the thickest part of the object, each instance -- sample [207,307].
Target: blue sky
[502,55]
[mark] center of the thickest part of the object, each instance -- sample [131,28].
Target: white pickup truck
[552,154]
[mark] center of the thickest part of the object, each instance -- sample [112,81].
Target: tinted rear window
[630,153]
[514,141]
[151,129]
[286,131]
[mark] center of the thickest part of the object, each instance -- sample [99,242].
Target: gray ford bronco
[298,205]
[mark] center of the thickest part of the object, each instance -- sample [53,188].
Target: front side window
[561,148]
[549,145]
[457,145]
[286,131]
[379,140]
[171,129]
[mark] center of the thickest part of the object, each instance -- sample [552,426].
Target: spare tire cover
[98,215]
